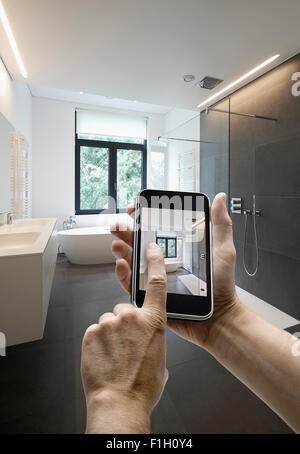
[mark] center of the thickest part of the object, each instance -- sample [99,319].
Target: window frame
[112,174]
[166,239]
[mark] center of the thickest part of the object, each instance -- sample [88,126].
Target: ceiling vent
[209,82]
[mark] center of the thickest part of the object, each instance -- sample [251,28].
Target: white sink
[18,240]
[30,223]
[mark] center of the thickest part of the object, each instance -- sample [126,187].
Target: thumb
[157,280]
[222,224]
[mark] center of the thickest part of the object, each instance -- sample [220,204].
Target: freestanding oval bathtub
[87,246]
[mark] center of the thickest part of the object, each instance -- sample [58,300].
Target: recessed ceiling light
[81,92]
[12,40]
[188,77]
[239,80]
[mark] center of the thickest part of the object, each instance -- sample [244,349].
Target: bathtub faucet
[68,224]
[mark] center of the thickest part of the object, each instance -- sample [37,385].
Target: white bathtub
[87,246]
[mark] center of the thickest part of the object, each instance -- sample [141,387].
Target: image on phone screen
[181,236]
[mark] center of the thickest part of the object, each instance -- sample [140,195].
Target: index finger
[156,293]
[123,232]
[130,210]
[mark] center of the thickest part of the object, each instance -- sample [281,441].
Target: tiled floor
[40,385]
[174,285]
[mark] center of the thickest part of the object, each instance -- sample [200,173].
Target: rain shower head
[209,82]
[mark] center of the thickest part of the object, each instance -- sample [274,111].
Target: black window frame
[112,175]
[167,238]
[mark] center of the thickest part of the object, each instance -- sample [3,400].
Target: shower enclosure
[248,147]
[199,160]
[197,154]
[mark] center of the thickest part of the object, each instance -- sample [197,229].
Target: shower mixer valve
[236,205]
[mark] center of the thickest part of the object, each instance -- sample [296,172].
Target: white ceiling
[97,100]
[140,49]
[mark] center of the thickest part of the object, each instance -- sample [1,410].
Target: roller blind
[111,124]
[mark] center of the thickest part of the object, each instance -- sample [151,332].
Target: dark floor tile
[74,417]
[85,291]
[61,294]
[47,420]
[66,323]
[41,384]
[211,400]
[180,350]
[31,380]
[165,419]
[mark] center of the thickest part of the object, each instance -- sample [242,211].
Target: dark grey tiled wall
[265,161]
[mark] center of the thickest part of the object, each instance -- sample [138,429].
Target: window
[109,170]
[158,169]
[168,246]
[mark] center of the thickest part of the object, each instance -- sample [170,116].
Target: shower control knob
[236,205]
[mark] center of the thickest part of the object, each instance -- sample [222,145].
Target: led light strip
[12,40]
[241,79]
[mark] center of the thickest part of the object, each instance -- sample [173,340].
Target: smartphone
[179,222]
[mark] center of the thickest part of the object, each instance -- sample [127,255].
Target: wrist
[112,412]
[224,321]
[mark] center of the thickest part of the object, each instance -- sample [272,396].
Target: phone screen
[179,224]
[181,237]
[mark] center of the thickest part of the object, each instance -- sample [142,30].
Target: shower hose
[248,213]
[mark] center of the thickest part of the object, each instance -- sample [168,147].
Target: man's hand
[124,358]
[226,302]
[256,352]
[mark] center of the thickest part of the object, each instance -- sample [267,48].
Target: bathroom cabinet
[28,252]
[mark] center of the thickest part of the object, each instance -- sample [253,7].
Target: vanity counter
[28,253]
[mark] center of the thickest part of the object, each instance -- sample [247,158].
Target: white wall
[16,107]
[16,103]
[54,159]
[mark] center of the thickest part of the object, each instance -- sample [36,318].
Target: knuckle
[117,308]
[106,325]
[90,334]
[104,316]
[158,280]
[128,316]
[157,319]
[157,257]
[120,307]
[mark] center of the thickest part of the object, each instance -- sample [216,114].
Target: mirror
[6,130]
